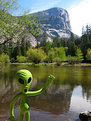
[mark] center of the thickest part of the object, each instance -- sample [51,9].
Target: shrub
[36,55]
[50,57]
[79,55]
[73,59]
[62,54]
[4,58]
[21,59]
[88,56]
[12,60]
[58,61]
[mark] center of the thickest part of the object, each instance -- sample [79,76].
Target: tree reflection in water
[55,103]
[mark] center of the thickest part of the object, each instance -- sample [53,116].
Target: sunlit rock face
[30,38]
[55,22]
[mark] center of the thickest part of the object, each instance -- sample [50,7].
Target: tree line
[14,48]
[73,50]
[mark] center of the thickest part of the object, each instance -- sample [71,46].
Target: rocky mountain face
[55,22]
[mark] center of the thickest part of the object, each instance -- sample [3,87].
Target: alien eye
[21,81]
[29,80]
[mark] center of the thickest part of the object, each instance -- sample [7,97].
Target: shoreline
[54,64]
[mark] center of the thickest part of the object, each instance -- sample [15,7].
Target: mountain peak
[55,21]
[56,8]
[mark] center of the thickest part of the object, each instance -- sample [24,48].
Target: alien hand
[51,78]
[11,118]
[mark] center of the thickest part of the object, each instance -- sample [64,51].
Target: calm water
[66,97]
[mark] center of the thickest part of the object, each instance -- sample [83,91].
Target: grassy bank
[54,64]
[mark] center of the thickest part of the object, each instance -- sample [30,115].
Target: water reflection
[61,101]
[53,101]
[78,103]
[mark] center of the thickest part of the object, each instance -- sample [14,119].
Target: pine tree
[56,42]
[71,45]
[18,48]
[79,54]
[1,49]
[23,47]
[27,45]
[6,48]
[11,49]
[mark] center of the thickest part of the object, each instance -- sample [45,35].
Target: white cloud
[80,15]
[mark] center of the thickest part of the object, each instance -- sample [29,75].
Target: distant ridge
[55,21]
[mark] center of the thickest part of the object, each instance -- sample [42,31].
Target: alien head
[24,79]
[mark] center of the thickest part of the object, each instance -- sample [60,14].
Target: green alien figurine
[24,79]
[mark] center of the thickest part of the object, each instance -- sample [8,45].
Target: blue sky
[79,10]
[38,5]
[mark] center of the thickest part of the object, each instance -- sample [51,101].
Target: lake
[67,96]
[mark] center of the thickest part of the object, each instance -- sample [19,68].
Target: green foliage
[23,47]
[21,59]
[11,49]
[56,55]
[12,60]
[85,42]
[75,59]
[32,25]
[12,28]
[56,42]
[27,45]
[79,55]
[6,49]
[8,4]
[72,59]
[18,48]
[4,58]
[46,46]
[62,54]
[88,56]
[57,60]
[50,57]
[13,31]
[9,27]
[36,55]
[71,46]
[63,42]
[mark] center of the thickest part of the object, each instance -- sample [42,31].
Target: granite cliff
[55,22]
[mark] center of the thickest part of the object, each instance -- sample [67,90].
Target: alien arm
[13,103]
[32,93]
